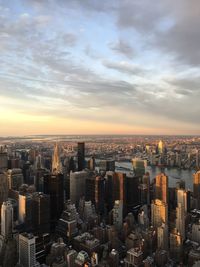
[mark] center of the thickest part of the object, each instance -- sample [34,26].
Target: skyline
[115,67]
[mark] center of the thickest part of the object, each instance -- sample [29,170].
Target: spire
[56,164]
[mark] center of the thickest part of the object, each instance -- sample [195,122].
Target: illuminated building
[162,187]
[6,220]
[95,191]
[161,147]
[81,156]
[56,164]
[159,213]
[25,214]
[27,255]
[15,178]
[175,245]
[134,257]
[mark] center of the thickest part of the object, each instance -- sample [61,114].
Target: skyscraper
[139,166]
[3,159]
[196,188]
[56,164]
[77,185]
[180,220]
[15,178]
[81,156]
[54,186]
[27,255]
[162,237]
[162,187]
[6,219]
[159,213]
[3,188]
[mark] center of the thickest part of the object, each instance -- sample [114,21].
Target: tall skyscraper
[182,198]
[118,214]
[196,188]
[162,237]
[159,213]
[27,255]
[6,220]
[41,212]
[81,156]
[3,159]
[54,186]
[77,185]
[3,188]
[95,191]
[161,147]
[180,220]
[15,178]
[162,187]
[56,163]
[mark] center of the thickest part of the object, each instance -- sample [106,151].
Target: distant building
[81,156]
[139,166]
[6,220]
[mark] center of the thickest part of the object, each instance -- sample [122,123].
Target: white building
[6,219]
[27,256]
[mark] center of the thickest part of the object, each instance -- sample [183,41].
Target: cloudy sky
[95,67]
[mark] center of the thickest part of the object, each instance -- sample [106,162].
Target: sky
[99,67]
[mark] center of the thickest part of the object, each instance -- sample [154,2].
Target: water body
[174,174]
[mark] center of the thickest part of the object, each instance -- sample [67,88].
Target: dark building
[54,186]
[95,191]
[133,192]
[41,212]
[81,156]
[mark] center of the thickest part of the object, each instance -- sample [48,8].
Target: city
[99,133]
[106,201]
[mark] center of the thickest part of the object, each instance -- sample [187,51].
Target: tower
[27,255]
[54,186]
[162,187]
[56,164]
[6,219]
[196,188]
[159,213]
[81,156]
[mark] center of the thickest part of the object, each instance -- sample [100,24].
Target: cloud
[124,67]
[122,47]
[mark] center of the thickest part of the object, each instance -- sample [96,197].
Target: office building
[196,188]
[134,257]
[81,156]
[180,220]
[162,237]
[41,212]
[3,159]
[15,179]
[77,185]
[6,220]
[27,255]
[162,187]
[54,187]
[139,167]
[3,188]
[118,214]
[95,191]
[56,163]
[159,213]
